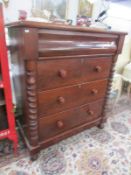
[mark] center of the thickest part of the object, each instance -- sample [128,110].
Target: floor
[92,152]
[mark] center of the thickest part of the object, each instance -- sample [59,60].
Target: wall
[11,12]
[72,10]
[119,16]
[98,7]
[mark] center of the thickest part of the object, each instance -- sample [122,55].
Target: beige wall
[119,17]
[11,12]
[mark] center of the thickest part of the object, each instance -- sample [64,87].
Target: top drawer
[55,43]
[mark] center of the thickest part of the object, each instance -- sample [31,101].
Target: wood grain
[49,101]
[62,77]
[61,122]
[63,72]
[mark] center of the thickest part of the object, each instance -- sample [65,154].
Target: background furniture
[63,78]
[122,69]
[7,121]
[126,75]
[125,57]
[116,88]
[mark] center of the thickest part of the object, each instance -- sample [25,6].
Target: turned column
[30,61]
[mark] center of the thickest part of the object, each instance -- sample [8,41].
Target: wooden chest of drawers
[62,76]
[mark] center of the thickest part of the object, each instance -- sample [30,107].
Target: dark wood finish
[62,43]
[64,121]
[80,70]
[57,100]
[105,107]
[62,80]
[31,102]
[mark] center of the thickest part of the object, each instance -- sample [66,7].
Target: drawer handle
[94,91]
[61,100]
[62,73]
[90,112]
[60,124]
[98,68]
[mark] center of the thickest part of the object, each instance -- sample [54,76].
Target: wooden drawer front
[60,99]
[55,124]
[53,43]
[56,73]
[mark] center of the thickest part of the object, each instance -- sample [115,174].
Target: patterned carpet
[92,152]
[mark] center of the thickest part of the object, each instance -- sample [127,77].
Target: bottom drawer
[55,124]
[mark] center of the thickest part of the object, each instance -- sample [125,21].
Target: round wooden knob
[62,73]
[94,91]
[90,112]
[60,124]
[98,68]
[61,100]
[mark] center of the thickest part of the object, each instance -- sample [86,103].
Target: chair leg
[119,92]
[129,90]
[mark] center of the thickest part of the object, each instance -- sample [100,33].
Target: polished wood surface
[60,122]
[63,43]
[44,25]
[57,100]
[58,73]
[62,79]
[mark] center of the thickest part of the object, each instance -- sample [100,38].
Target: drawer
[58,73]
[57,100]
[56,124]
[54,43]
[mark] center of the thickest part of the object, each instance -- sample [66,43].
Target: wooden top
[60,27]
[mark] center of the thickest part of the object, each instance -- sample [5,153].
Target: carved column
[119,45]
[109,86]
[31,108]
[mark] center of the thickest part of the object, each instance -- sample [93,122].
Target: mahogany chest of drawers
[62,76]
